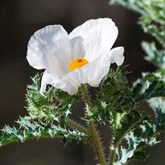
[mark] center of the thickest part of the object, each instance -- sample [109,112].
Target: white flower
[83,56]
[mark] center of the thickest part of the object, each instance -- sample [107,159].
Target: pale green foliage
[39,106]
[152,21]
[126,124]
[114,95]
[150,87]
[157,57]
[157,104]
[132,4]
[136,143]
[47,117]
[50,114]
[29,129]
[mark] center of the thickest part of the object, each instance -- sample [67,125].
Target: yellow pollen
[78,63]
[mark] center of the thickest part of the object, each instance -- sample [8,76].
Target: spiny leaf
[132,4]
[124,126]
[30,129]
[52,105]
[152,21]
[135,143]
[114,88]
[149,86]
[114,95]
[157,105]
[47,117]
[157,57]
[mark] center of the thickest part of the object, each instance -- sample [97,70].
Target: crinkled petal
[116,55]
[99,35]
[49,48]
[91,73]
[97,69]
[77,47]
[57,82]
[53,80]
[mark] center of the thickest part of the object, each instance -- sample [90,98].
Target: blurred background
[19,19]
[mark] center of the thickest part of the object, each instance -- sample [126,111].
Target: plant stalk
[97,143]
[95,136]
[113,155]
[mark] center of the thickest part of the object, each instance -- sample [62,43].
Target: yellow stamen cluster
[78,63]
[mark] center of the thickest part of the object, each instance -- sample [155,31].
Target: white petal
[72,89]
[116,55]
[57,83]
[91,73]
[77,47]
[49,48]
[98,68]
[99,35]
[50,79]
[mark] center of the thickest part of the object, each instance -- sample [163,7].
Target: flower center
[78,63]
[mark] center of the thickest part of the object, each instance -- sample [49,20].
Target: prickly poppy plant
[72,64]
[82,57]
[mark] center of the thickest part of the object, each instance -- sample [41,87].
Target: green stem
[113,155]
[77,126]
[97,143]
[93,131]
[86,96]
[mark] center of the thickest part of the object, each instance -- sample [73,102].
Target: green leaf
[128,122]
[132,4]
[30,129]
[155,56]
[157,105]
[149,86]
[136,143]
[152,21]
[48,116]
[114,96]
